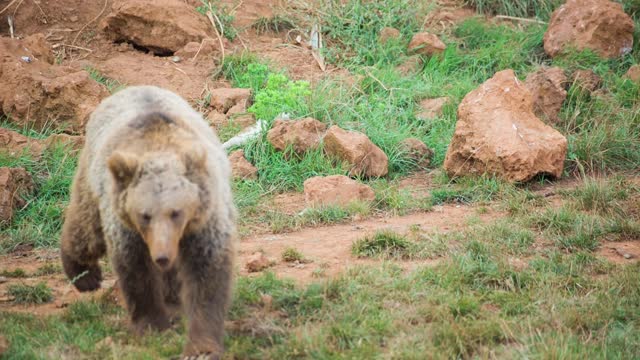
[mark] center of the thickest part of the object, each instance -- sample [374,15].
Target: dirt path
[327,247]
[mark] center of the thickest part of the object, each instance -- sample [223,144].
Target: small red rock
[432,108]
[364,157]
[240,167]
[547,86]
[257,262]
[426,44]
[15,183]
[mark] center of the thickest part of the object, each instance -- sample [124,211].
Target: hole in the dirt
[156,51]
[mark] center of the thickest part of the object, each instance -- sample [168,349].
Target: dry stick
[87,24]
[8,6]
[213,23]
[43,14]
[71,46]
[519,19]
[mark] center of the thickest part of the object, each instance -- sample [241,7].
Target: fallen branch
[520,19]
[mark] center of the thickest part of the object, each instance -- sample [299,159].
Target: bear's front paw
[86,278]
[204,349]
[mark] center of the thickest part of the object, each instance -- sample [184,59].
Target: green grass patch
[40,222]
[30,294]
[384,243]
[15,273]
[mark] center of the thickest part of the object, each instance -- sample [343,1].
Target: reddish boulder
[335,190]
[599,25]
[498,133]
[15,183]
[302,135]
[363,156]
[417,151]
[240,167]
[13,144]
[161,26]
[426,44]
[547,86]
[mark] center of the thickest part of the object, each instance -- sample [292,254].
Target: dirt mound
[36,93]
[15,183]
[160,26]
[498,133]
[599,25]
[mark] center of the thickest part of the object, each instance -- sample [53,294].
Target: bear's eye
[175,214]
[146,218]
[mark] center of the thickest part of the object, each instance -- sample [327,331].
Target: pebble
[3,279]
[176,59]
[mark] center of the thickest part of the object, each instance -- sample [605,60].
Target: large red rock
[498,133]
[15,183]
[547,86]
[363,156]
[241,168]
[426,44]
[599,25]
[335,190]
[302,135]
[14,144]
[161,26]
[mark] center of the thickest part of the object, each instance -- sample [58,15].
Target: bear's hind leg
[82,243]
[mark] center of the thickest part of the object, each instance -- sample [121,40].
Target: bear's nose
[162,261]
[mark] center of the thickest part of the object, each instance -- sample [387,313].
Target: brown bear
[152,189]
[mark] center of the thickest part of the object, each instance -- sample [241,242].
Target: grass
[40,222]
[30,294]
[530,284]
[16,273]
[276,23]
[292,255]
[384,243]
[222,16]
[112,85]
[519,8]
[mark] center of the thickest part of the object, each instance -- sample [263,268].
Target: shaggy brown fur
[152,189]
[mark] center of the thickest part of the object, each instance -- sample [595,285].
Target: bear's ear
[195,159]
[123,167]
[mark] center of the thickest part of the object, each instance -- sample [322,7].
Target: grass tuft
[30,294]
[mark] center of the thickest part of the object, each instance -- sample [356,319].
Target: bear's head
[157,197]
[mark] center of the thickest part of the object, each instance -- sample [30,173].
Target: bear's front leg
[206,273]
[141,284]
